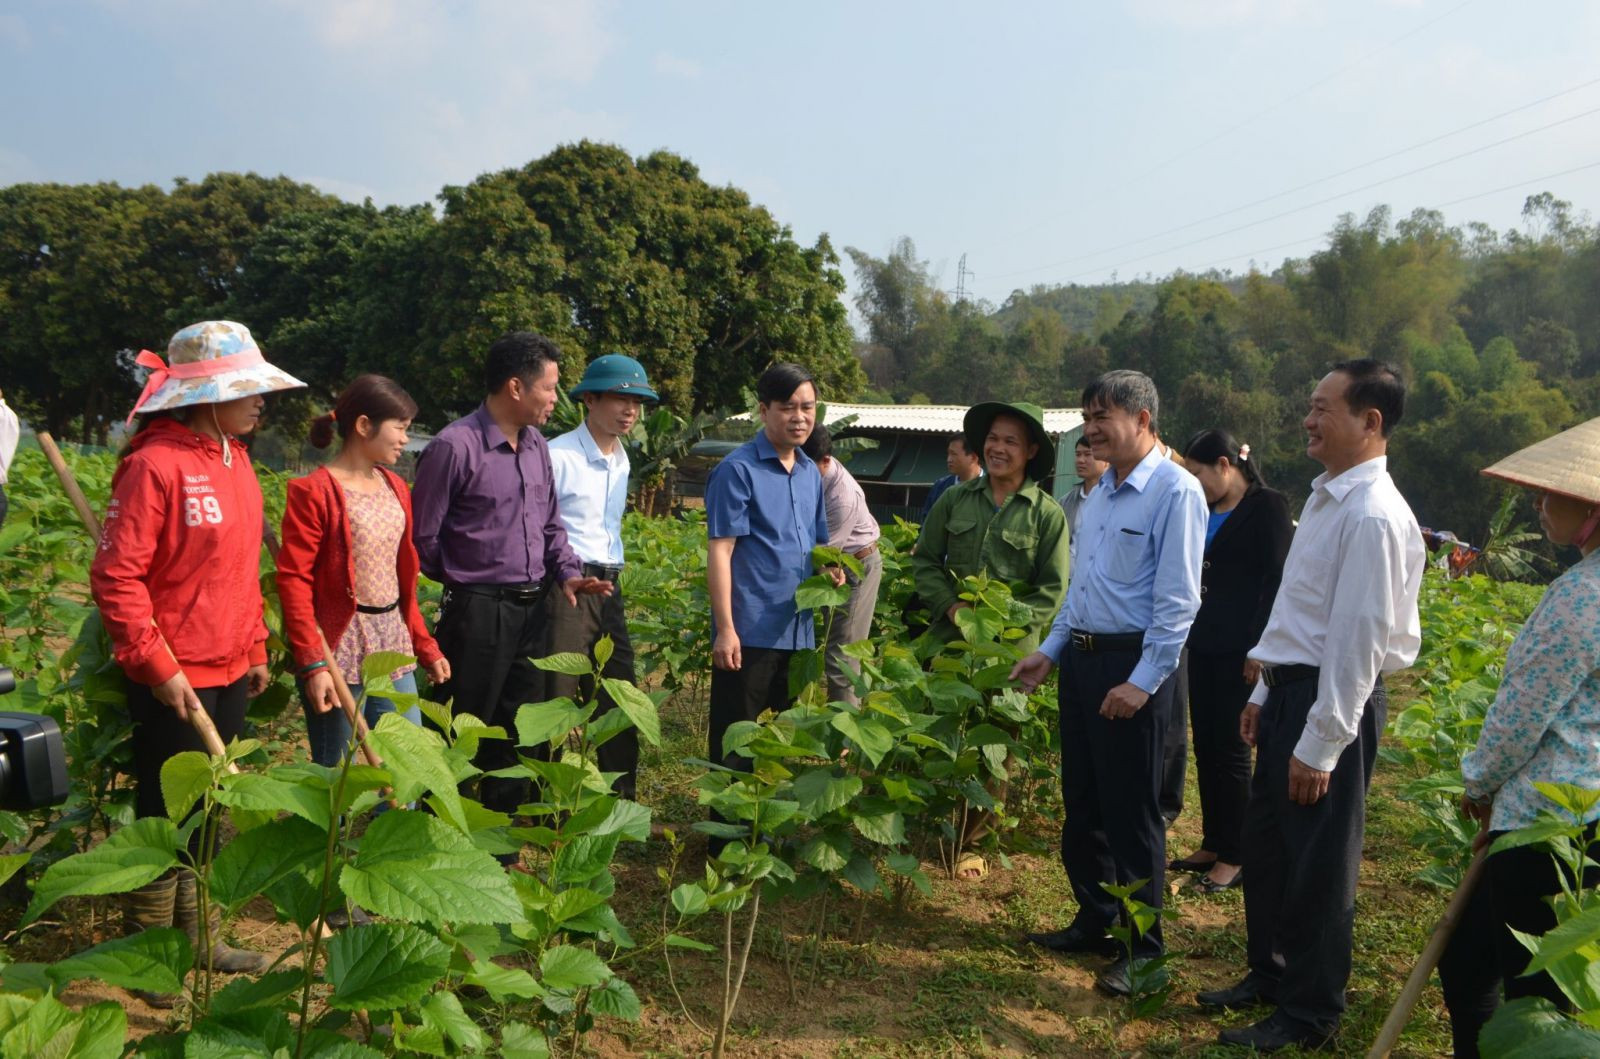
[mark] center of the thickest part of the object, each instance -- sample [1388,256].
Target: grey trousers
[1301,862]
[852,622]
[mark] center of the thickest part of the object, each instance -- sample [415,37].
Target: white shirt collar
[1341,486]
[591,447]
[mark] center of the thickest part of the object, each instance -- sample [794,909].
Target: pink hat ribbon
[161,371]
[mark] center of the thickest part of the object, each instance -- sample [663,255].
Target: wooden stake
[1400,1014]
[70,484]
[341,688]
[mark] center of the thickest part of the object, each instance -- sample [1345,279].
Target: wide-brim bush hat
[208,363]
[1567,464]
[615,373]
[981,416]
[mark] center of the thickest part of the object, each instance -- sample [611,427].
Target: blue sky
[1052,142]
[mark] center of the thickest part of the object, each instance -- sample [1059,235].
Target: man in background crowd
[10,433]
[852,530]
[963,465]
[1089,470]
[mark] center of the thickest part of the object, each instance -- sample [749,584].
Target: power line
[1280,103]
[1313,86]
[1301,187]
[1324,201]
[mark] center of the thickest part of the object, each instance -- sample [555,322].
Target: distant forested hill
[1497,333]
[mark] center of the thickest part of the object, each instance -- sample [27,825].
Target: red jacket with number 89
[179,562]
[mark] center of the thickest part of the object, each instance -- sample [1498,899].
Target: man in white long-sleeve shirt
[1346,614]
[10,433]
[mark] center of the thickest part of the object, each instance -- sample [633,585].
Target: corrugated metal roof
[928,418]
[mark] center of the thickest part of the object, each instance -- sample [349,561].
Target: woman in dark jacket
[1246,541]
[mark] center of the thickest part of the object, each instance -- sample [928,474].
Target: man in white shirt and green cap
[591,467]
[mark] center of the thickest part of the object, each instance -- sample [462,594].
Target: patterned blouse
[1544,725]
[376,525]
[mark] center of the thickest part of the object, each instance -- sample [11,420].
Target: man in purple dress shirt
[486,526]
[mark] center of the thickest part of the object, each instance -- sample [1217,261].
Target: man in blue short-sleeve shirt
[764,514]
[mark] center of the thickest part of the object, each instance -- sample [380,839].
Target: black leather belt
[1090,642]
[1278,676]
[386,608]
[525,593]
[603,571]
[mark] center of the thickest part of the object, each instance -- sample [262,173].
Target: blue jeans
[329,733]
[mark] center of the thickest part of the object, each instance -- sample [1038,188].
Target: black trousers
[1218,693]
[1301,861]
[1175,751]
[761,683]
[489,642]
[1483,954]
[1111,829]
[577,629]
[160,735]
[4,504]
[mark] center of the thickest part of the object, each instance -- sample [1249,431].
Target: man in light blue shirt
[590,469]
[1133,595]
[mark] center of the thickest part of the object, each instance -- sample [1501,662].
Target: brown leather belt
[864,552]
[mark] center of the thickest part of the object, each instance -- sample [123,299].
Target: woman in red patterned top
[348,568]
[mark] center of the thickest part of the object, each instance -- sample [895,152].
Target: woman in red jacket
[348,569]
[177,574]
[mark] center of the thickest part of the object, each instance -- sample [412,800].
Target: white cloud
[676,66]
[552,41]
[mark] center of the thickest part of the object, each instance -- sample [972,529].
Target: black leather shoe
[1206,885]
[1191,864]
[1250,990]
[1074,939]
[1114,981]
[1276,1031]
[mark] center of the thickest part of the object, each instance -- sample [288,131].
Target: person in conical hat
[177,576]
[1543,727]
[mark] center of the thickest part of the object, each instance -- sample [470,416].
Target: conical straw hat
[1568,464]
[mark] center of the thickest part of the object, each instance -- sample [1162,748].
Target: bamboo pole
[198,718]
[70,484]
[1400,1014]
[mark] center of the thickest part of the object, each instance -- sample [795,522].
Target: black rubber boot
[149,908]
[224,957]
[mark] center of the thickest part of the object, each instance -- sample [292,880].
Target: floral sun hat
[207,363]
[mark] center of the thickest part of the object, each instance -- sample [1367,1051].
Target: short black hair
[1131,391]
[779,382]
[518,355]
[819,444]
[962,438]
[1082,443]
[1375,384]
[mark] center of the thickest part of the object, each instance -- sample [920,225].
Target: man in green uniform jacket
[1005,525]
[1001,523]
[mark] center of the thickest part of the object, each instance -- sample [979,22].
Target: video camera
[33,761]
